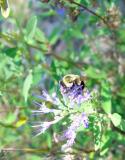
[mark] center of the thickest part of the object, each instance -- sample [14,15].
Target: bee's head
[68,80]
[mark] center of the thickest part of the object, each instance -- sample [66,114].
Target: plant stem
[90,11]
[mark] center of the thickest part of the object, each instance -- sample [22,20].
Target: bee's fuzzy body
[70,80]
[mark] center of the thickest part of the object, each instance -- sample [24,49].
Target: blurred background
[40,42]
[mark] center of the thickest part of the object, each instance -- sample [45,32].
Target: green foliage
[31,27]
[41,41]
[116,119]
[27,85]
[106,97]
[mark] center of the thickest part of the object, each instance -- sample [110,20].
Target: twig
[44,150]
[58,57]
[90,11]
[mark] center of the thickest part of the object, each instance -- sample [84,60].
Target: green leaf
[35,157]
[106,97]
[121,93]
[49,140]
[31,27]
[5,10]
[10,118]
[122,125]
[1,94]
[40,36]
[11,52]
[97,129]
[116,119]
[106,144]
[93,73]
[27,84]
[36,77]
[55,35]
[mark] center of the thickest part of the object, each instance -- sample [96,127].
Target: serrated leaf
[27,84]
[116,119]
[5,10]
[31,27]
[106,97]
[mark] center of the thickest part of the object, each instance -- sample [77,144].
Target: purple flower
[75,94]
[73,97]
[46,97]
[70,133]
[84,120]
[61,11]
[43,126]
[44,109]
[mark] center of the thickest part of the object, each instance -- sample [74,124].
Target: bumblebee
[70,80]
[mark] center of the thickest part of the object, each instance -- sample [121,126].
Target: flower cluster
[74,94]
[72,105]
[70,133]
